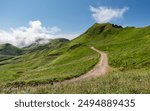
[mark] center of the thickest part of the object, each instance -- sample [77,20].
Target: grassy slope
[129,54]
[53,62]
[127,48]
[8,51]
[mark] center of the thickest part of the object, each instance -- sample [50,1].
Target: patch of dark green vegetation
[8,49]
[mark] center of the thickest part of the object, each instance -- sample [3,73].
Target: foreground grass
[118,82]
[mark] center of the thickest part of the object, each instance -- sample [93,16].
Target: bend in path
[100,69]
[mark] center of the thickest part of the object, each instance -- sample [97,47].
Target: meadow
[117,82]
[47,66]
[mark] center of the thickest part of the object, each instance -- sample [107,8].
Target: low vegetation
[118,82]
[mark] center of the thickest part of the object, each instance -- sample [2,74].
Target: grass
[41,67]
[118,82]
[128,51]
[68,65]
[128,48]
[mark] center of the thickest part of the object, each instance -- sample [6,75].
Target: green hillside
[53,44]
[128,47]
[53,62]
[129,58]
[8,49]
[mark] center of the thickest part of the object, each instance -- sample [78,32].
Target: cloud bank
[106,14]
[24,36]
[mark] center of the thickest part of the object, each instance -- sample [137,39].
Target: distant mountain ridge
[9,49]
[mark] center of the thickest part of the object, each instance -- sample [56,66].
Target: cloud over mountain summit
[24,36]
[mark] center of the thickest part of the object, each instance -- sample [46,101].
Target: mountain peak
[108,25]
[99,28]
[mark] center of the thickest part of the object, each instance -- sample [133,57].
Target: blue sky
[72,16]
[69,15]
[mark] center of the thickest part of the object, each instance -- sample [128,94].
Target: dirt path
[100,69]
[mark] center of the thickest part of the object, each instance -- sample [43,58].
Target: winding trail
[100,69]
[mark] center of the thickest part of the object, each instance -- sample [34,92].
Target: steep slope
[128,47]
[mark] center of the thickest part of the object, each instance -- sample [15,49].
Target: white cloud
[106,14]
[24,36]
[68,36]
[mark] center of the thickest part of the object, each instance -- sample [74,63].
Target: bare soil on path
[100,69]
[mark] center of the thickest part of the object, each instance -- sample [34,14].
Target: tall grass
[126,82]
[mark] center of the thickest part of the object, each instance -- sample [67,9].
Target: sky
[22,22]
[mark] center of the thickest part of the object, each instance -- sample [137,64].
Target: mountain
[127,47]
[128,53]
[8,49]
[38,42]
[52,44]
